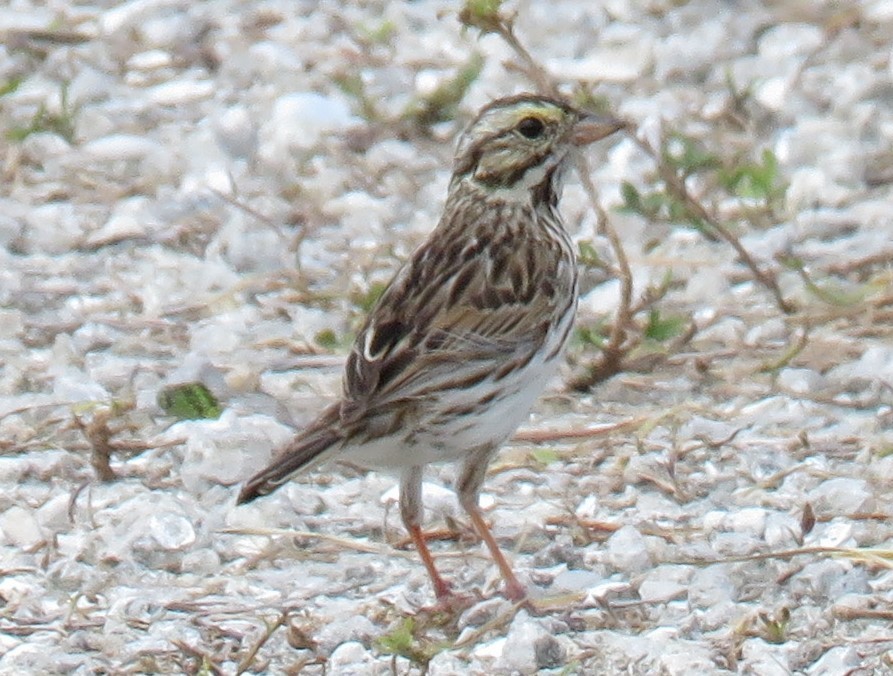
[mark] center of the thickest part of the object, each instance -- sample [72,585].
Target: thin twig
[245,662]
[613,351]
[676,185]
[541,436]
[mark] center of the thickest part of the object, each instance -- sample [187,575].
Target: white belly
[435,439]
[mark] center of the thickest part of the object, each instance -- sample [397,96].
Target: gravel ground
[214,191]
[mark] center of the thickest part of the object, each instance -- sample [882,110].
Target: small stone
[529,647]
[837,533]
[115,147]
[842,496]
[20,527]
[53,228]
[347,630]
[782,531]
[575,580]
[665,583]
[829,579]
[200,562]
[447,663]
[350,658]
[236,132]
[772,330]
[152,59]
[548,652]
[801,381]
[627,550]
[622,56]
[842,659]
[180,92]
[439,500]
[711,585]
[773,92]
[54,513]
[785,40]
[171,531]
[759,657]
[750,520]
[128,220]
[298,121]
[227,450]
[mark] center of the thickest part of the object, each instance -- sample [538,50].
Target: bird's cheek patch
[495,167]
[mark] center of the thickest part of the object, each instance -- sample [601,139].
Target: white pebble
[349,630]
[627,550]
[20,527]
[299,120]
[773,92]
[180,92]
[150,60]
[575,580]
[349,658]
[53,228]
[227,450]
[529,647]
[750,520]
[129,13]
[789,39]
[171,531]
[129,219]
[801,381]
[665,583]
[841,659]
[711,585]
[623,56]
[877,11]
[120,147]
[842,496]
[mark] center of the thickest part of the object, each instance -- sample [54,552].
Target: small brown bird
[468,332]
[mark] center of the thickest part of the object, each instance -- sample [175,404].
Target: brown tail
[302,451]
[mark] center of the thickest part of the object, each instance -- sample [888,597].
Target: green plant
[61,123]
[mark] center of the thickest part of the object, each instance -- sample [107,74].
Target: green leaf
[632,199]
[189,401]
[829,290]
[663,328]
[380,34]
[407,640]
[61,124]
[544,456]
[326,338]
[591,335]
[10,85]
[587,255]
[688,155]
[441,104]
[368,300]
[352,85]
[775,628]
[481,14]
[754,180]
[399,640]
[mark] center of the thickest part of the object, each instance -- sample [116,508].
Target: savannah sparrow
[468,332]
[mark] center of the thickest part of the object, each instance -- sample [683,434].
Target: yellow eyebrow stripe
[547,114]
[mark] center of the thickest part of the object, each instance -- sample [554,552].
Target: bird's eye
[531,127]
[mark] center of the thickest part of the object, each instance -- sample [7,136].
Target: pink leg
[441,587]
[514,590]
[468,486]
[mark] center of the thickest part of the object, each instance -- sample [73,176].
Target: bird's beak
[590,128]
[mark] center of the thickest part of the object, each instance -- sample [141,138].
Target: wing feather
[455,316]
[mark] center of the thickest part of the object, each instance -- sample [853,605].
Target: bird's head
[517,143]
